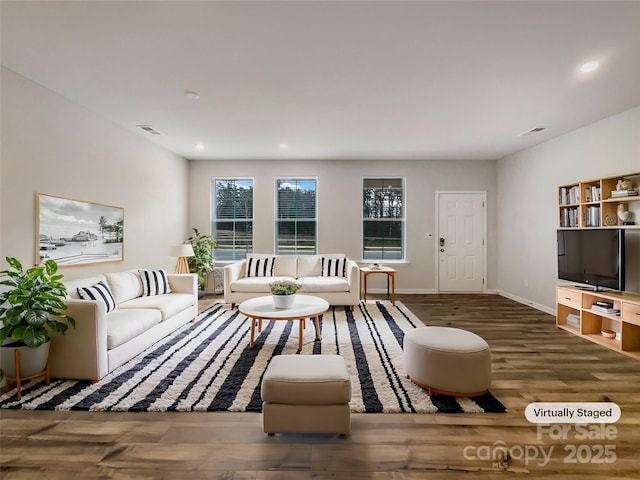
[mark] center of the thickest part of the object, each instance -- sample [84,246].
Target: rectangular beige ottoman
[306,394]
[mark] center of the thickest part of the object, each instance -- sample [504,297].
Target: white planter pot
[283,301]
[32,359]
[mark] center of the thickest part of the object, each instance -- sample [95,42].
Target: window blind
[232,222]
[296,216]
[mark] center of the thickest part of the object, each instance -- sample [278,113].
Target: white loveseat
[339,288]
[103,341]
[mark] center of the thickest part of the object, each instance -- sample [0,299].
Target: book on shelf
[563,196]
[608,311]
[592,217]
[569,195]
[569,217]
[573,320]
[600,307]
[604,304]
[624,193]
[574,194]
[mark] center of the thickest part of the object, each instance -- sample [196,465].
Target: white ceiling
[334,80]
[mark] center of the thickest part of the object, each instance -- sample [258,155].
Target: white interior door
[460,241]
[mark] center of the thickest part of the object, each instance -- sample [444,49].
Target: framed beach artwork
[75,232]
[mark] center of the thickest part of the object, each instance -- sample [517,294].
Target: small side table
[304,306]
[391,280]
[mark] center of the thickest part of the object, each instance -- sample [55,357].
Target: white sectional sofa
[103,341]
[242,280]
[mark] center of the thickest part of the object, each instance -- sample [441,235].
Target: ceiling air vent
[149,129]
[531,131]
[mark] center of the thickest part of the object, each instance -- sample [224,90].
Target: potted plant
[202,261]
[31,306]
[283,293]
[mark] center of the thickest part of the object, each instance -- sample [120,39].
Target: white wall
[340,205]
[528,202]
[53,146]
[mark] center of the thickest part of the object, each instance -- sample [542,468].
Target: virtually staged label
[572,412]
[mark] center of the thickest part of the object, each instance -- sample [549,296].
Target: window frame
[277,219]
[214,219]
[402,220]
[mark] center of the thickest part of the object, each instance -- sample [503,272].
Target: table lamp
[182,252]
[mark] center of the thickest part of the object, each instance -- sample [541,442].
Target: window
[296,218]
[232,222]
[383,219]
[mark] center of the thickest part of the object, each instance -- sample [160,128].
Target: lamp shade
[185,250]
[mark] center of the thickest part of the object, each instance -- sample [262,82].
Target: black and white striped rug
[208,366]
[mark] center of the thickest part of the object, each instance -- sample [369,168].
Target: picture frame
[76,232]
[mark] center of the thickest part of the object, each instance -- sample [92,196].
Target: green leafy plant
[33,303]
[202,261]
[284,287]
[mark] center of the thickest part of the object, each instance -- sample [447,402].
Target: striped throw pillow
[260,267]
[154,282]
[334,267]
[100,291]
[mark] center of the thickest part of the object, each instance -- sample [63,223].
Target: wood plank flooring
[532,361]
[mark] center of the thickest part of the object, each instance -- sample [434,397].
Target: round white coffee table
[304,306]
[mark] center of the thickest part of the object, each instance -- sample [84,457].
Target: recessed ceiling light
[283,146]
[191,95]
[589,66]
[199,146]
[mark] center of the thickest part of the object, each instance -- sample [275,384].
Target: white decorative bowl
[283,301]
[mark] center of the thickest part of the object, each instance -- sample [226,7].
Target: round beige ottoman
[447,360]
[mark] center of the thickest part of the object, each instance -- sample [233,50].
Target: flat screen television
[593,257]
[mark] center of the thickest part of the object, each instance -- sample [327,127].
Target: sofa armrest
[232,272]
[353,276]
[81,353]
[183,283]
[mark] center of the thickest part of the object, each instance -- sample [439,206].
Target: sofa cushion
[260,267]
[323,284]
[309,266]
[154,282]
[72,285]
[168,305]
[285,266]
[124,285]
[334,267]
[127,323]
[100,291]
[256,284]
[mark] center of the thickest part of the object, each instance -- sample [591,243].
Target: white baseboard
[525,301]
[426,291]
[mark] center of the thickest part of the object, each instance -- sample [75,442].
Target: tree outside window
[232,222]
[296,216]
[383,222]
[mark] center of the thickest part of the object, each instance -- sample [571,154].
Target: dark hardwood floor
[532,361]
